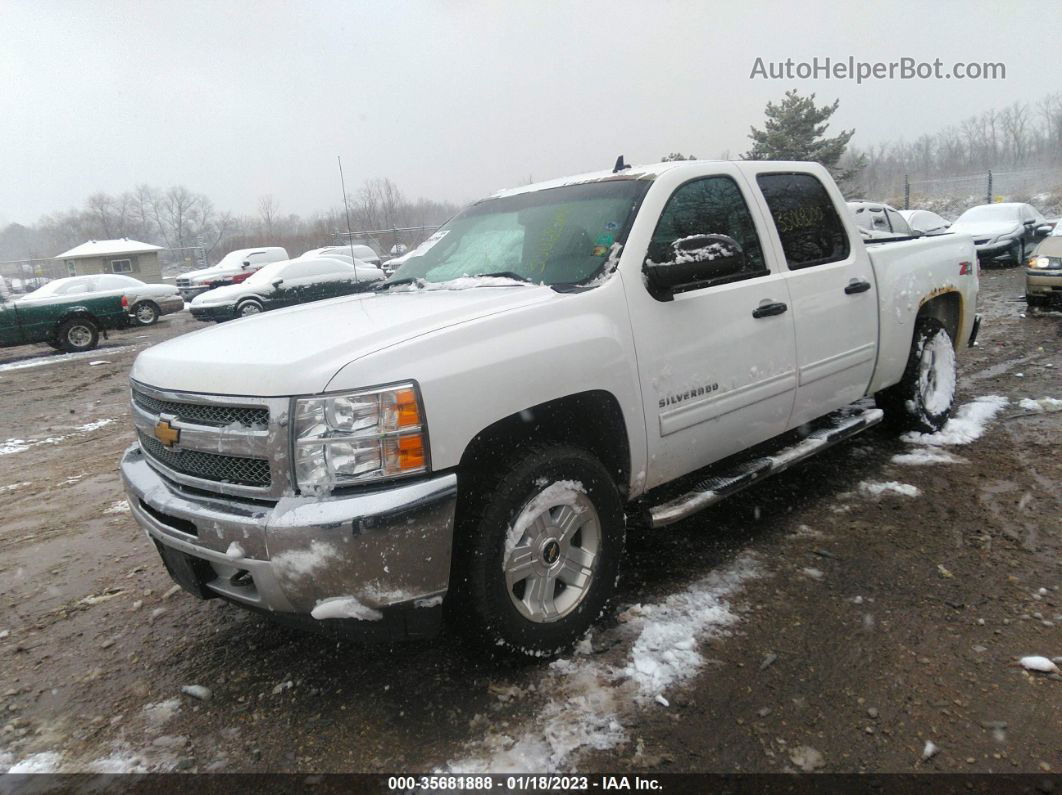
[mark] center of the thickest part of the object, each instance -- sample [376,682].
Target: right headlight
[1046,262]
[355,437]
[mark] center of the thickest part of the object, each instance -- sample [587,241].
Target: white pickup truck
[557,363]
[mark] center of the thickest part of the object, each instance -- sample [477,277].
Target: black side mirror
[245,265]
[694,262]
[277,282]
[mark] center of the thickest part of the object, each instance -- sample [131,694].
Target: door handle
[857,287]
[767,310]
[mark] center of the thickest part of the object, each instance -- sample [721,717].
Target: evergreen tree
[676,156]
[795,130]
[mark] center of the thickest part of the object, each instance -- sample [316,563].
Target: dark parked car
[280,284]
[1006,230]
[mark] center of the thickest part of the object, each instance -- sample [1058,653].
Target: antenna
[620,165]
[346,207]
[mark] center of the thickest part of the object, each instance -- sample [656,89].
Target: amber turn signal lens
[408,410]
[410,452]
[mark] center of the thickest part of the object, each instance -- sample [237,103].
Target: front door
[717,362]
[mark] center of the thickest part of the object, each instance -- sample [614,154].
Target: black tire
[491,505]
[145,313]
[915,403]
[78,334]
[55,345]
[1018,253]
[246,308]
[1035,301]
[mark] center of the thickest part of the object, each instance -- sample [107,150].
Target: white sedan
[926,222]
[146,302]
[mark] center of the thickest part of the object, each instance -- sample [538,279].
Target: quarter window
[710,206]
[810,229]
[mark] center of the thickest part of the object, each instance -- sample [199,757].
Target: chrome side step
[841,425]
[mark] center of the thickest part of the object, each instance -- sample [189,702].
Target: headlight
[1046,262]
[355,437]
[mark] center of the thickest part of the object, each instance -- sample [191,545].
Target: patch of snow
[15,486]
[344,607]
[98,362]
[197,691]
[162,712]
[296,563]
[13,446]
[122,506]
[922,456]
[590,699]
[431,601]
[235,551]
[967,425]
[93,426]
[1044,404]
[1037,663]
[562,492]
[815,574]
[44,762]
[876,489]
[930,750]
[118,762]
[55,359]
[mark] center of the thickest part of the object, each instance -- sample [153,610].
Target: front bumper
[188,293]
[1043,282]
[213,313]
[389,550]
[996,249]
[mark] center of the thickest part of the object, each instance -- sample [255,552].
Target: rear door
[716,363]
[831,284]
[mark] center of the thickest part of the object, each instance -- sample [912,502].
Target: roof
[104,248]
[632,172]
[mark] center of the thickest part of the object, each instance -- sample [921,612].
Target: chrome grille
[204,414]
[184,282]
[209,466]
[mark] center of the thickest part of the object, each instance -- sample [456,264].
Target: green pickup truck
[69,324]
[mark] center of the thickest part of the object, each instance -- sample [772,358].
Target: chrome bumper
[386,549]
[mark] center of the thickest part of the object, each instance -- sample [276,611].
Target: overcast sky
[453,100]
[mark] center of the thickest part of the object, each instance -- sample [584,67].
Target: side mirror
[693,262]
[277,282]
[245,264]
[1045,229]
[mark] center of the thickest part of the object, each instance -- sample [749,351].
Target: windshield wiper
[501,275]
[388,283]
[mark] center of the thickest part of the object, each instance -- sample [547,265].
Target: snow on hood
[985,228]
[298,350]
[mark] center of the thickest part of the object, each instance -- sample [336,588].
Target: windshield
[60,287]
[556,236]
[989,212]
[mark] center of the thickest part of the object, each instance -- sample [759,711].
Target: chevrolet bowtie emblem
[166,433]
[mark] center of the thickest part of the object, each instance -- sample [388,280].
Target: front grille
[214,414]
[184,282]
[209,466]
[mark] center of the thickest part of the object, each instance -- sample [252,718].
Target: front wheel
[248,308]
[923,399]
[539,548]
[1018,253]
[146,313]
[78,334]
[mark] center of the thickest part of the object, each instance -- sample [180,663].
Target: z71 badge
[671,400]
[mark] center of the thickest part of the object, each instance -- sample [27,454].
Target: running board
[841,425]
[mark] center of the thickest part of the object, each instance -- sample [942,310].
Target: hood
[985,228]
[297,351]
[207,274]
[1049,247]
[228,293]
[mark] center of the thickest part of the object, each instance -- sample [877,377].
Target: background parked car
[925,222]
[145,302]
[287,283]
[878,217]
[1043,276]
[234,267]
[70,323]
[1007,229]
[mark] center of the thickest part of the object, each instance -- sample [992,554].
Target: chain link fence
[950,196]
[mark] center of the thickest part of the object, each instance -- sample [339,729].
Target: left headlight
[355,437]
[1046,262]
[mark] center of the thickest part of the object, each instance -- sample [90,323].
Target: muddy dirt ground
[875,624]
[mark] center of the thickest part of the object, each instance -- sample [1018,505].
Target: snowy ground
[890,596]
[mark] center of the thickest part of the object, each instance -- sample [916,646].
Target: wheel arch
[947,307]
[592,420]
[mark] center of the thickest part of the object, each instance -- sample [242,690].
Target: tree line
[177,217]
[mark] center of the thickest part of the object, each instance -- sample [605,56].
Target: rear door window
[808,225]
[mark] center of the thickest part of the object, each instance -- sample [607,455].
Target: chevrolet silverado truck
[557,363]
[68,323]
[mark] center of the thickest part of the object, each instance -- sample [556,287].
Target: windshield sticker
[611,226]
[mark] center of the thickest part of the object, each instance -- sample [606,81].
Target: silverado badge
[166,433]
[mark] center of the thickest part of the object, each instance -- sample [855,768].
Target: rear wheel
[923,399]
[538,550]
[78,334]
[146,313]
[248,308]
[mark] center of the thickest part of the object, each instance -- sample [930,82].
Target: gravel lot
[814,625]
